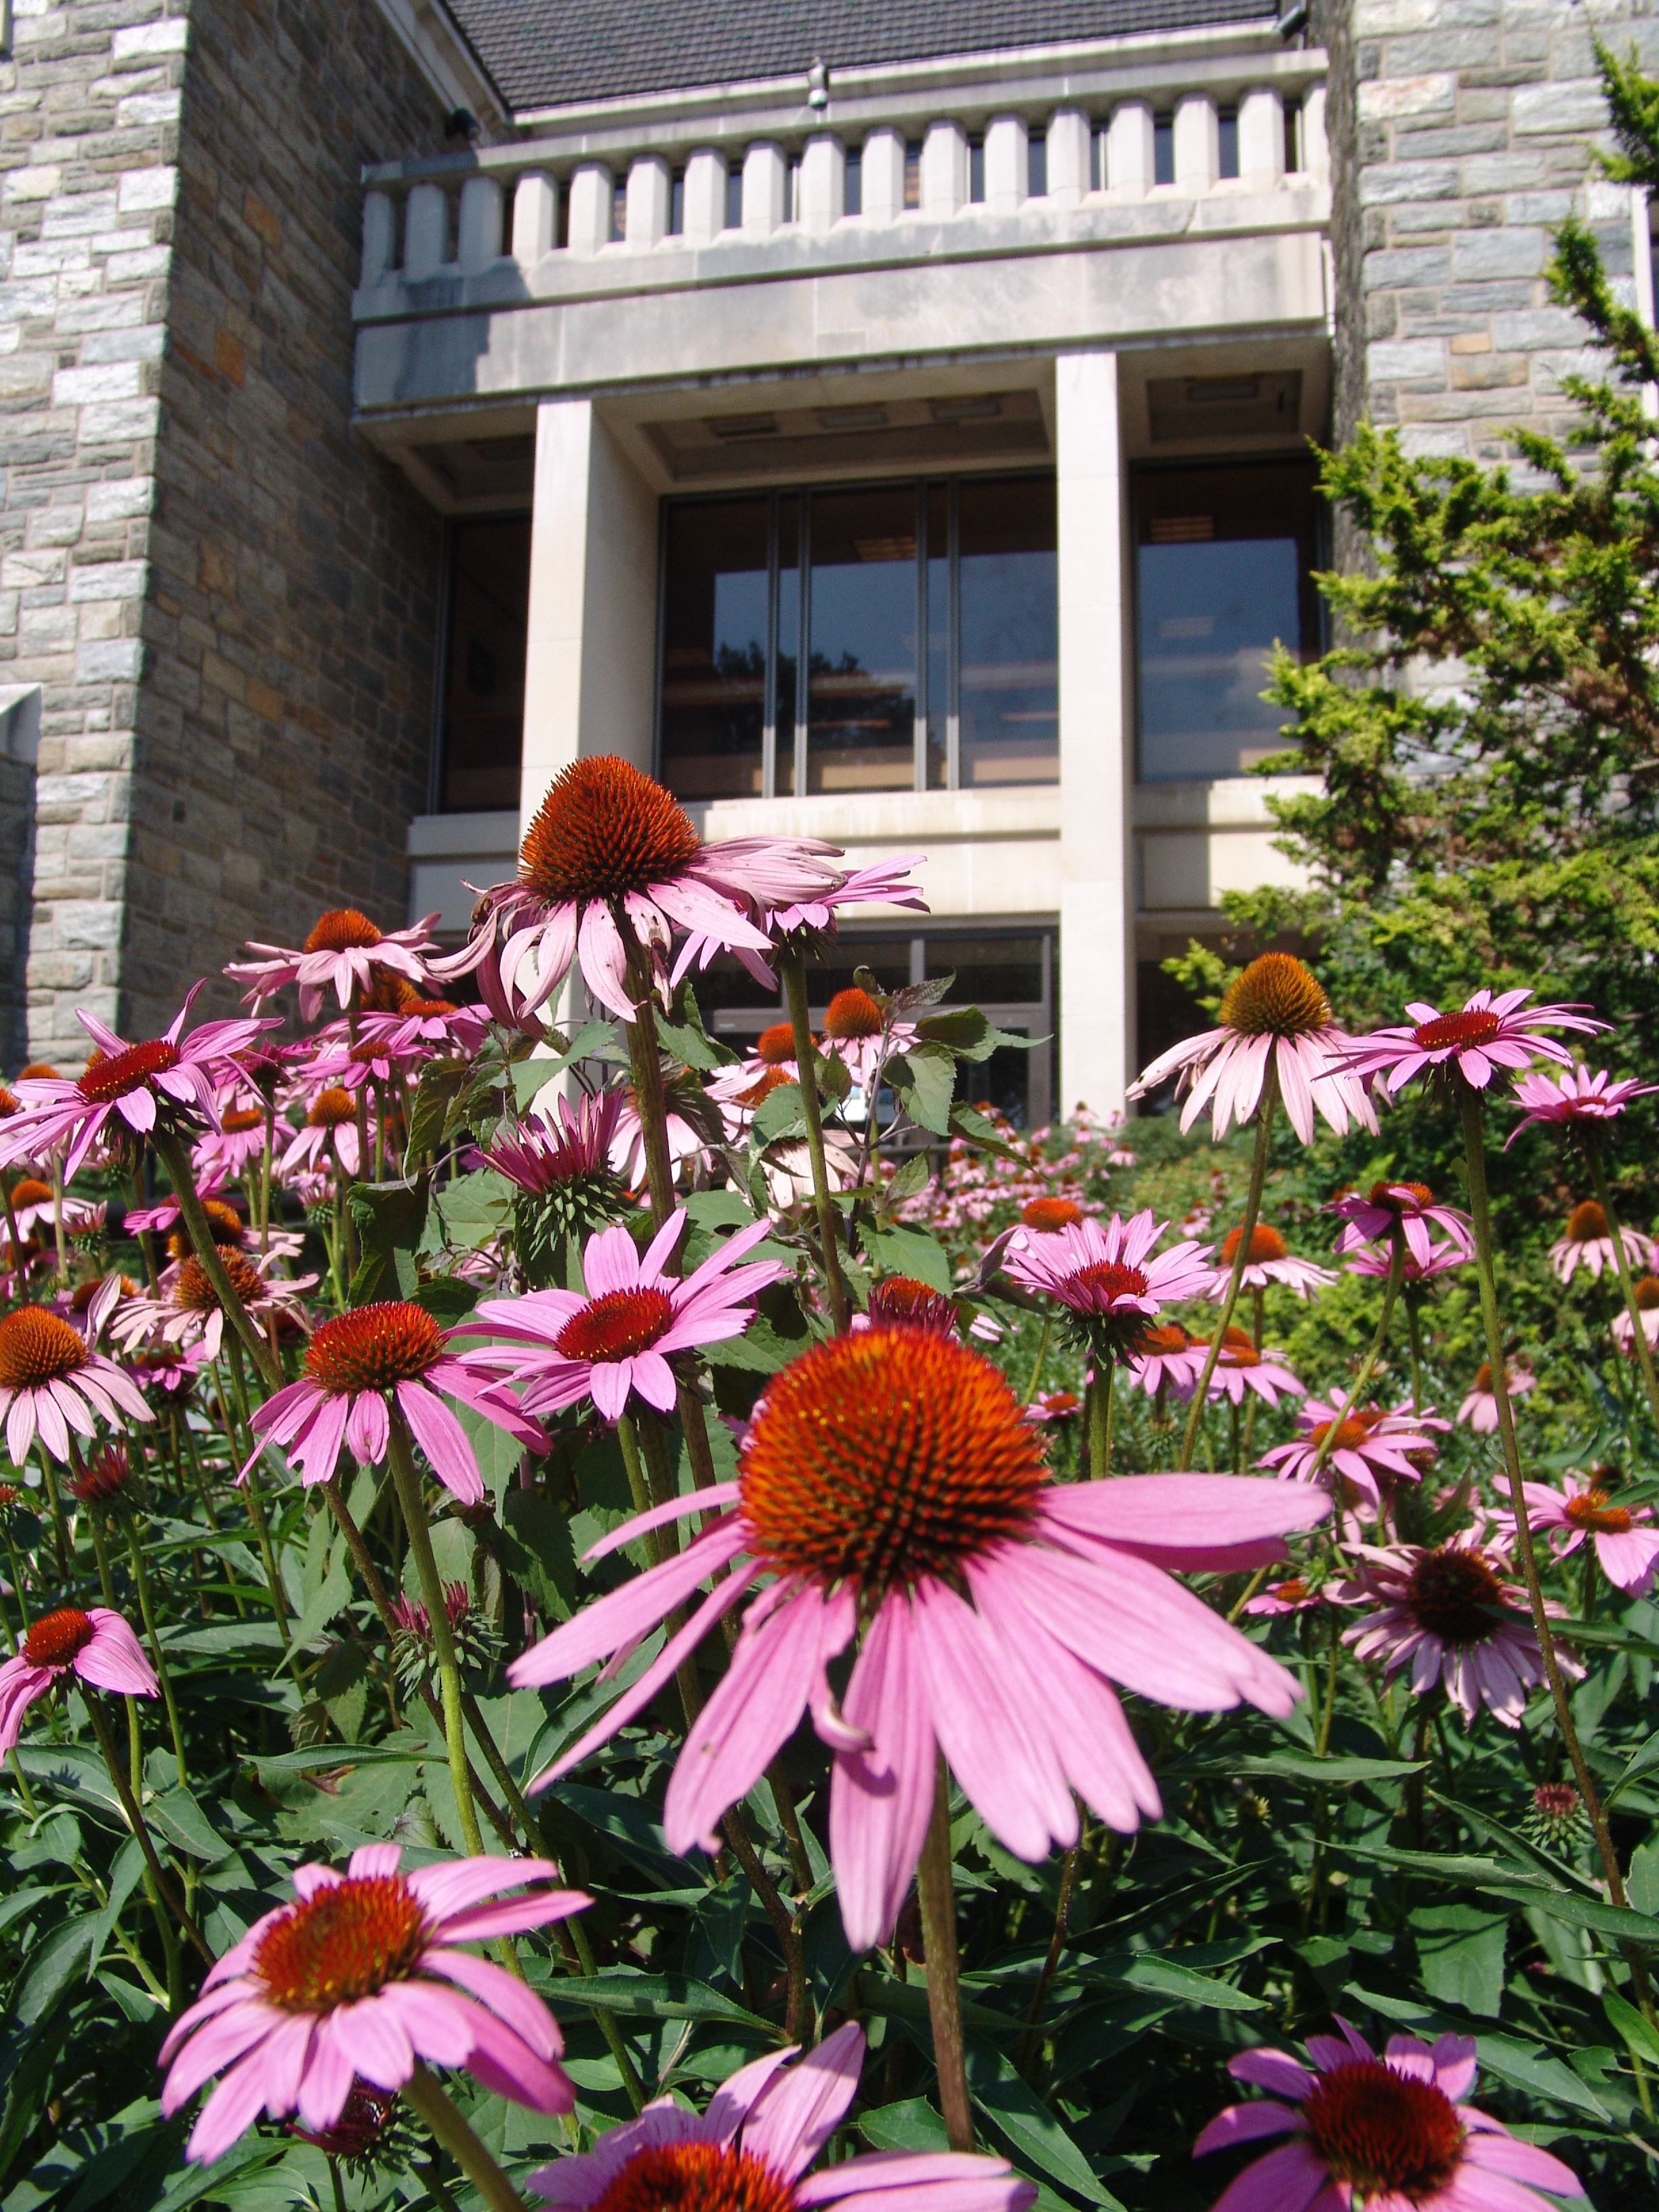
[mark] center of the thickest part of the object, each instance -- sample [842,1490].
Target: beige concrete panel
[1315,150]
[1097,976]
[1175,871]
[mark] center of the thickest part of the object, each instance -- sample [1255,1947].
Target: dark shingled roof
[544,53]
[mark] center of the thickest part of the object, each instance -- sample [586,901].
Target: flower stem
[1642,1349]
[793,968]
[937,1893]
[435,2107]
[1100,1418]
[142,1581]
[408,1484]
[1474,1145]
[1368,1364]
[1037,1364]
[139,1826]
[1051,1961]
[170,1151]
[1264,1116]
[251,1494]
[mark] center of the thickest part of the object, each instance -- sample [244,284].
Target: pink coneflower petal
[805,2106]
[880,1799]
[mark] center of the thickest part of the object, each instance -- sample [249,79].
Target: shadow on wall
[20,741]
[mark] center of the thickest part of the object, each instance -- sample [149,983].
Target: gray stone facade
[229,606]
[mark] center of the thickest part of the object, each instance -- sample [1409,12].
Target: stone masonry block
[120,421]
[115,379]
[108,579]
[142,190]
[1562,110]
[1480,255]
[1405,360]
[142,41]
[1384,183]
[1389,99]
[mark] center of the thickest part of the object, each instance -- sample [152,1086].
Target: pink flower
[862,1037]
[1167,1356]
[1479,1408]
[685,1146]
[1054,1405]
[1106,1274]
[343,954]
[1291,1595]
[1450,1613]
[34,1209]
[237,1146]
[1646,1291]
[351,1363]
[169,1075]
[608,846]
[890,1490]
[188,1311]
[97,1645]
[164,1217]
[330,1131]
[53,1380]
[1240,1367]
[1409,1209]
[1377,1260]
[1578,1095]
[546,1153]
[365,1976]
[616,1337]
[1275,1011]
[883,884]
[1588,1243]
[1485,1035]
[1370,1447]
[1271,1261]
[764,2126]
[428,1025]
[1391,2132]
[1628,1554]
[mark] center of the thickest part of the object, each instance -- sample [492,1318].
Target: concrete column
[944,169]
[1261,138]
[1068,157]
[426,232]
[1197,142]
[535,217]
[589,666]
[478,234]
[883,176]
[379,236]
[822,184]
[649,186]
[591,207]
[1131,151]
[705,196]
[1315,147]
[1097,918]
[1007,156]
[765,174]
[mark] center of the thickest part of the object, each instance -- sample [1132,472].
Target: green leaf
[970,1035]
[1629,2023]
[391,1217]
[1302,1767]
[631,1827]
[924,1079]
[1624,1926]
[535,1549]
[1459,1954]
[691,1043]
[441,1083]
[473,1208]
[901,1251]
[1026,2125]
[759,1351]
[331,1598]
[974,1129]
[1163,1976]
[184,1823]
[534,1072]
[657,1997]
[912,1179]
[780,1114]
[912,2125]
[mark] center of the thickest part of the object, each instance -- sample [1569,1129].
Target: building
[887,424]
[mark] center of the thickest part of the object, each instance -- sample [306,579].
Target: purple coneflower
[53,1379]
[1411,1208]
[1478,1039]
[1578,1095]
[1479,1408]
[96,1645]
[1626,1551]
[344,953]
[1240,1367]
[1271,1261]
[1587,1242]
[1107,1276]
[1370,1448]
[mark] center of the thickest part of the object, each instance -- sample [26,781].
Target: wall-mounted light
[817,85]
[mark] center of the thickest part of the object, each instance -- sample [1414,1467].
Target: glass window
[1164,150]
[676,205]
[1036,166]
[852,198]
[788,639]
[976,170]
[939,707]
[713,686]
[913,173]
[1224,568]
[861,664]
[1009,621]
[483,690]
[1227,135]
[734,198]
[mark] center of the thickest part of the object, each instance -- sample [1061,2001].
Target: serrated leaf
[972,1035]
[911,1180]
[536,1550]
[924,1080]
[778,1115]
[913,1252]
[441,1083]
[974,1129]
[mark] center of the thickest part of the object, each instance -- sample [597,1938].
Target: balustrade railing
[463,216]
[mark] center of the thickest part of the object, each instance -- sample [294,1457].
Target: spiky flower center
[1350,1433]
[374,1346]
[901,1302]
[330,1109]
[1590,1510]
[29,1190]
[852,1013]
[1453,1595]
[10,1102]
[603,830]
[1555,1801]
[1400,1197]
[768,1080]
[342,1943]
[1381,2132]
[1265,1244]
[1238,1350]
[1292,1591]
[1275,996]
[1103,1285]
[342,929]
[1483,1377]
[616,1326]
[429,1008]
[1586,1223]
[57,1638]
[1646,1293]
[193,1293]
[1458,1032]
[108,1078]
[887,1457]
[1049,1214]
[1163,1341]
[775,1045]
[696,2177]
[240,1119]
[224,1226]
[41,1071]
[36,1348]
[364,2118]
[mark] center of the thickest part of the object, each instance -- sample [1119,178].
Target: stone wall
[284,721]
[1467,139]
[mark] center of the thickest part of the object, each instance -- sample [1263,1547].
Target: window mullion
[953,705]
[770,710]
[918,747]
[804,644]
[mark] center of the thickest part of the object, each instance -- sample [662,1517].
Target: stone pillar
[1097,917]
[591,209]
[1007,159]
[944,169]
[765,174]
[1261,138]
[1131,151]
[1197,142]
[823,183]
[883,175]
[478,234]
[1068,157]
[648,187]
[705,196]
[535,217]
[590,661]
[426,232]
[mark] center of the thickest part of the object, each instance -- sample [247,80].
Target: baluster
[426,232]
[380,237]
[649,183]
[1007,155]
[1131,151]
[1315,147]
[884,175]
[823,183]
[535,217]
[944,170]
[764,173]
[1068,157]
[1260,139]
[479,233]
[705,196]
[591,195]
[1197,142]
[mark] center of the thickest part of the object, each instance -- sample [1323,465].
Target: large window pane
[1010,681]
[938,636]
[483,694]
[1224,568]
[788,638]
[862,682]
[713,692]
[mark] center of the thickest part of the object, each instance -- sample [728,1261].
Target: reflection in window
[1009,678]
[1224,568]
[714,629]
[861,668]
[483,690]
